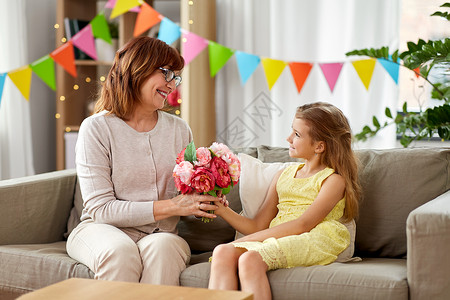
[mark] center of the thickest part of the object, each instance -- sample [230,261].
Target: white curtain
[320,31]
[16,157]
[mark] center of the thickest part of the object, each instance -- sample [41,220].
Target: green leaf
[190,154]
[405,108]
[395,56]
[226,190]
[387,112]
[375,122]
[212,193]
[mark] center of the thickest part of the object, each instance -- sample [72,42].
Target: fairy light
[56,26]
[62,98]
[63,40]
[57,116]
[184,40]
[88,79]
[102,78]
[191,3]
[68,129]
[191,22]
[179,101]
[177,112]
[76,86]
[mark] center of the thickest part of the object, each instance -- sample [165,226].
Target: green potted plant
[425,55]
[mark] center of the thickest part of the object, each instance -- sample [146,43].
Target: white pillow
[255,180]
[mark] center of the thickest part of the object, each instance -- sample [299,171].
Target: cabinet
[73,95]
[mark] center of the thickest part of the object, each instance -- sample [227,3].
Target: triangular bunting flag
[247,64]
[45,69]
[417,72]
[273,69]
[300,72]
[169,32]
[331,72]
[2,84]
[84,40]
[64,56]
[192,46]
[218,57]
[100,28]
[22,79]
[364,68]
[391,67]
[122,6]
[147,18]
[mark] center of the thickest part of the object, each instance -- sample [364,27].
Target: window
[415,23]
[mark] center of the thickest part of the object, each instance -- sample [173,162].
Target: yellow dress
[321,245]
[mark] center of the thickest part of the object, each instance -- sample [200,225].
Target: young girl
[299,221]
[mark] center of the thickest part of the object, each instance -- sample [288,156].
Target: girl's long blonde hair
[327,123]
[132,65]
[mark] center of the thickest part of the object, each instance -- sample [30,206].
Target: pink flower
[203,157]
[180,156]
[220,150]
[234,168]
[219,169]
[184,170]
[202,180]
[183,188]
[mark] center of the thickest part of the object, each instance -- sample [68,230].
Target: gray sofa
[402,236]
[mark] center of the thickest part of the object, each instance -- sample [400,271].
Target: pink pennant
[331,72]
[84,40]
[192,46]
[112,3]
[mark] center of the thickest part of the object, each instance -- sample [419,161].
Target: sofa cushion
[44,202]
[380,278]
[45,264]
[394,182]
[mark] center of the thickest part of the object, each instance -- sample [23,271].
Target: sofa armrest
[35,209]
[428,243]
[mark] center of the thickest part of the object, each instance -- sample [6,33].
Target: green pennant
[45,69]
[100,28]
[218,57]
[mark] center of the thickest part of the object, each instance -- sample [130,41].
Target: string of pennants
[191,46]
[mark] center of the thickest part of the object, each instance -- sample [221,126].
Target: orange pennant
[417,72]
[300,72]
[147,18]
[65,57]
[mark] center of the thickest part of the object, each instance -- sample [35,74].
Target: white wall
[41,18]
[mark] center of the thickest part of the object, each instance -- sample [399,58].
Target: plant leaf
[190,154]
[388,113]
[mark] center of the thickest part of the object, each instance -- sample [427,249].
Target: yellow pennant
[273,69]
[22,79]
[365,68]
[122,6]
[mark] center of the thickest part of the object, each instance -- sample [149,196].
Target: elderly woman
[125,155]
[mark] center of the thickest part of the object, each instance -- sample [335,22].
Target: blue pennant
[247,64]
[169,32]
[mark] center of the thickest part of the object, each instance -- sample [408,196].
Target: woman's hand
[197,205]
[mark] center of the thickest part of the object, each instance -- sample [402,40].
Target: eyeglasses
[170,75]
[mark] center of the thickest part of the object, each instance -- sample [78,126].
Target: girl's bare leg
[224,267]
[253,275]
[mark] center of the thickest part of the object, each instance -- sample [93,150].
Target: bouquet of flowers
[214,170]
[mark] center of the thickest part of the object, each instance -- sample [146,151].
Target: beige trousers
[129,254]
